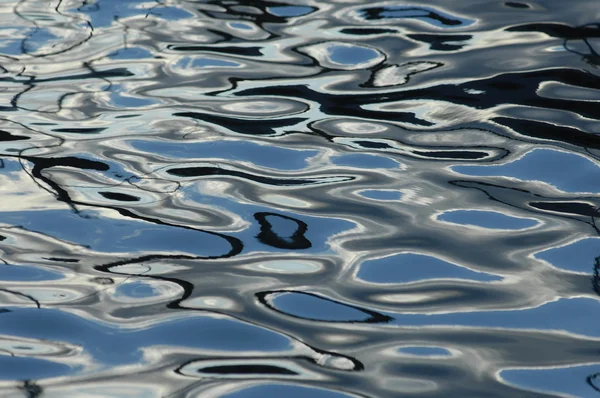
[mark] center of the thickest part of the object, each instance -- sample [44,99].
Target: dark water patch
[582,209]
[243,51]
[560,30]
[425,14]
[467,155]
[252,127]
[120,197]
[373,144]
[63,260]
[552,132]
[247,369]
[6,136]
[366,31]
[80,130]
[514,4]
[281,231]
[442,42]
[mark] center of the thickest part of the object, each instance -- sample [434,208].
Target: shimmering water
[296,199]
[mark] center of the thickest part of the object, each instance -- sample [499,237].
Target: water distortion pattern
[317,199]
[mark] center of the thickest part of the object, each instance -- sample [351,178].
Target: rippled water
[319,199]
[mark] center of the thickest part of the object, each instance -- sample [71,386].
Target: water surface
[325,199]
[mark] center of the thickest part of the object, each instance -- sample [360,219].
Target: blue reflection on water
[240,25]
[69,67]
[411,267]
[575,315]
[38,38]
[104,13]
[105,234]
[424,351]
[136,290]
[577,256]
[119,98]
[260,155]
[351,55]
[486,219]
[23,368]
[27,273]
[560,380]
[131,53]
[290,11]
[10,165]
[11,47]
[171,13]
[117,345]
[566,171]
[313,307]
[285,390]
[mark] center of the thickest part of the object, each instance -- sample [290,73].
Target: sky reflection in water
[310,199]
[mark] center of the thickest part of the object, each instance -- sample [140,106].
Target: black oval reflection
[61,259]
[276,367]
[235,368]
[313,307]
[121,197]
[372,144]
[514,4]
[366,31]
[247,369]
[578,208]
[6,136]
[376,13]
[594,381]
[80,130]
[442,42]
[466,155]
[270,236]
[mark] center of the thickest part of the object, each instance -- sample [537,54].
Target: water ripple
[331,199]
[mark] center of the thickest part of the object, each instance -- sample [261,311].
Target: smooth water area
[301,199]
